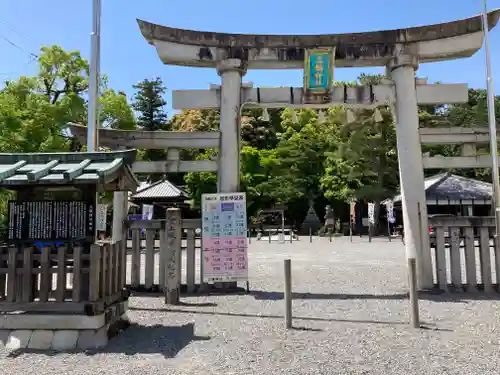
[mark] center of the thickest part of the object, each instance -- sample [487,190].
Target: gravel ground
[350,317]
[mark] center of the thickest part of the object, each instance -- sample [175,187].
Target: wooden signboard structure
[56,194]
[52,222]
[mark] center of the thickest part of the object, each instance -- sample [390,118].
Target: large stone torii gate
[400,51]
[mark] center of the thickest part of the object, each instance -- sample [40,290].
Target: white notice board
[224,237]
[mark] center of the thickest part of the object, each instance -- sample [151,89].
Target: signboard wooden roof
[109,170]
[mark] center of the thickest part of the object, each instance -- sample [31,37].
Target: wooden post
[95,271]
[135,277]
[163,257]
[485,259]
[61,274]
[412,276]
[123,258]
[470,260]
[288,293]
[190,260]
[173,233]
[310,235]
[150,258]
[27,287]
[12,275]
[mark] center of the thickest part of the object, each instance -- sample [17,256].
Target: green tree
[35,110]
[201,183]
[195,120]
[256,132]
[362,163]
[61,73]
[115,111]
[296,164]
[150,104]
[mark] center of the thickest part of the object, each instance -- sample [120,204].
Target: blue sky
[127,58]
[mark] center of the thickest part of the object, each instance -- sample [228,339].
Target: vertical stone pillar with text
[411,168]
[173,232]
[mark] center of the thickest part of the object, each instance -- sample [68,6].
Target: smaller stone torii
[400,51]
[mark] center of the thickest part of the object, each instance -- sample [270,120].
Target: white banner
[102,217]
[352,207]
[147,211]
[371,213]
[389,207]
[224,237]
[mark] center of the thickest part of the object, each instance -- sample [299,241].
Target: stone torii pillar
[402,71]
[231,72]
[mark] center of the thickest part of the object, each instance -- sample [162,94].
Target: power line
[31,54]
[16,31]
[12,28]
[7,74]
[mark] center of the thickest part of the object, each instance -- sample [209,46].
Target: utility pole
[492,121]
[94,83]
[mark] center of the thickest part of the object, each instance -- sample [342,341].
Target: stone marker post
[173,232]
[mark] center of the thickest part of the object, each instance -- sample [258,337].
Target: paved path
[350,313]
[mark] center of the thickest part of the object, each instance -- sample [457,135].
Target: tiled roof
[445,186]
[160,189]
[64,168]
[458,187]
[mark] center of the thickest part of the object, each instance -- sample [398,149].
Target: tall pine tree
[149,104]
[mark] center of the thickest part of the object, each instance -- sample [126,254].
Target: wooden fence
[70,279]
[149,257]
[465,253]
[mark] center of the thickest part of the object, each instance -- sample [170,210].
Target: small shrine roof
[159,190]
[68,168]
[446,185]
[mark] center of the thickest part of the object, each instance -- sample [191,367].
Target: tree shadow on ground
[267,316]
[430,295]
[138,339]
[210,289]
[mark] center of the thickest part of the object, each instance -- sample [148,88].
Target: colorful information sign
[318,70]
[224,238]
